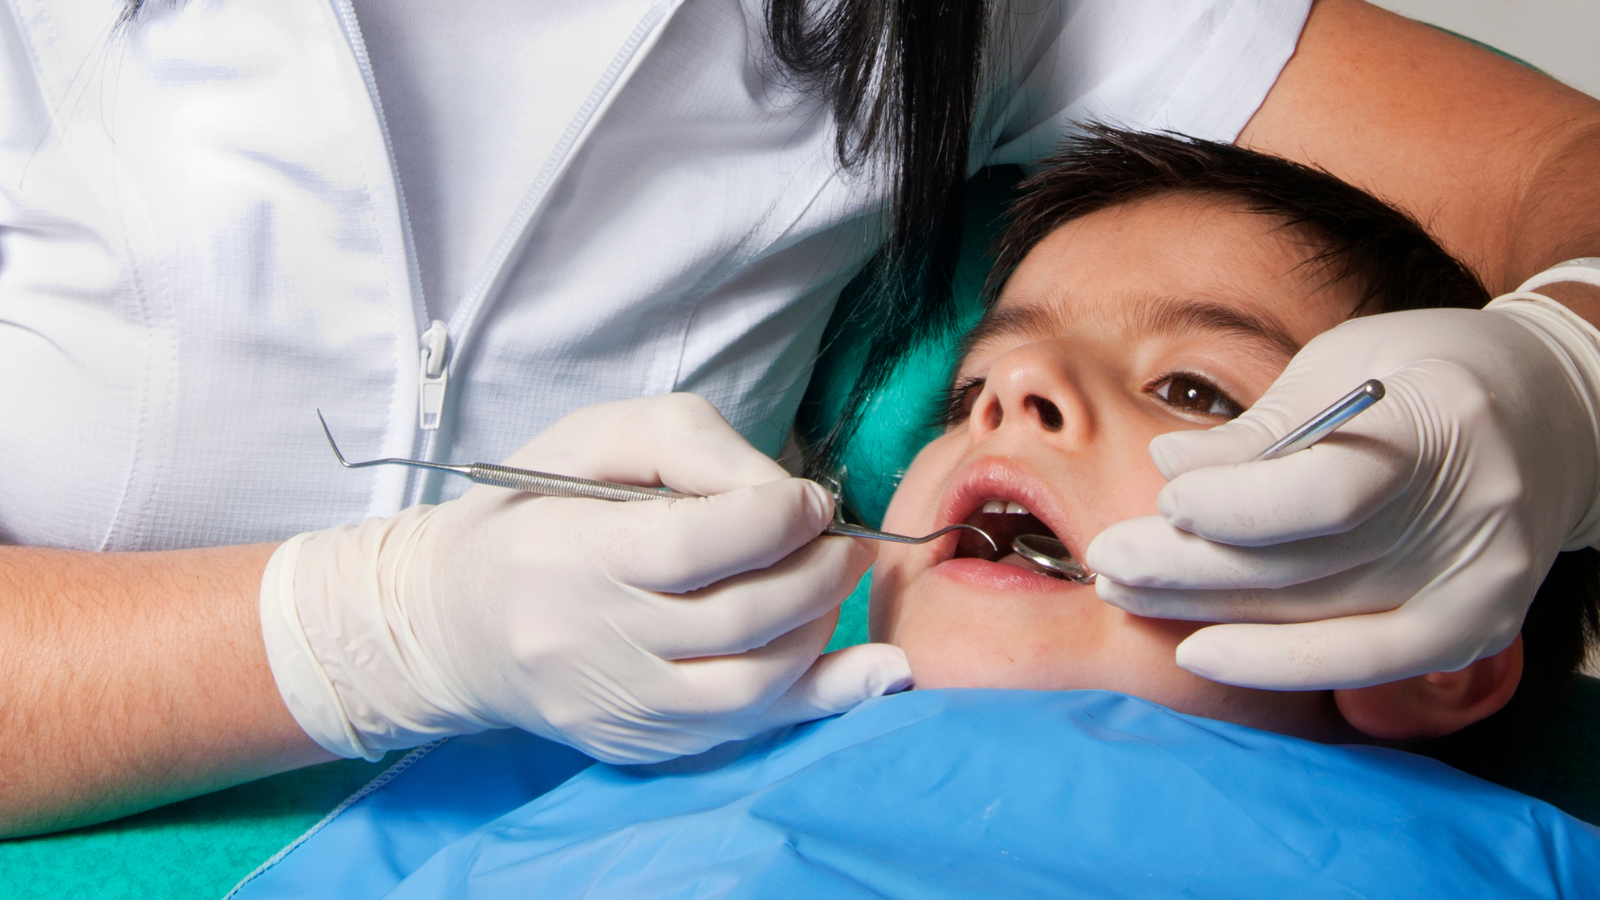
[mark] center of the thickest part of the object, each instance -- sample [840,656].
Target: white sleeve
[1197,67]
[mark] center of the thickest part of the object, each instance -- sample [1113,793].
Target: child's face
[1173,312]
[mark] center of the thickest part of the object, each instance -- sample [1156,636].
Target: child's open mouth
[1003,520]
[1007,501]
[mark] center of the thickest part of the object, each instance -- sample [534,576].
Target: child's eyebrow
[1172,315]
[1165,315]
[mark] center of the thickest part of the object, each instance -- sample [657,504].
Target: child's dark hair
[1391,263]
[1388,258]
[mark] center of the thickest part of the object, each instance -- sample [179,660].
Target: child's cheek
[916,500]
[1127,487]
[912,510]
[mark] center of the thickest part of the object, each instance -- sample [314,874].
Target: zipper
[434,342]
[434,378]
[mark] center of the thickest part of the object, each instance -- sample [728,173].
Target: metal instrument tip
[329,434]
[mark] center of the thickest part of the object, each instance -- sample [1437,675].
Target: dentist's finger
[1340,595]
[1327,489]
[693,448]
[836,683]
[696,704]
[1453,621]
[751,609]
[720,686]
[677,546]
[1148,553]
[1232,443]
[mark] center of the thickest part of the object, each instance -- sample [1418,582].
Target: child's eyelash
[957,405]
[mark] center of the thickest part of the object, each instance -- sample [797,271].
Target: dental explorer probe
[552,485]
[1052,555]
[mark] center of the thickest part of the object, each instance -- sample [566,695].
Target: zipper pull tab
[433,377]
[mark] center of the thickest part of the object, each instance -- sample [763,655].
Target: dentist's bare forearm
[1498,161]
[128,680]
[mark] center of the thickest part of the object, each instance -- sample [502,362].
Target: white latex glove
[632,631]
[1410,541]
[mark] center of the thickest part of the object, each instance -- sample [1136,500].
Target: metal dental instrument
[1050,554]
[1326,422]
[552,485]
[1053,556]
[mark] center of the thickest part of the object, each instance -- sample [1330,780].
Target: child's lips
[1011,574]
[1035,510]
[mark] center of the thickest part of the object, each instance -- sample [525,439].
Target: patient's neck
[1311,715]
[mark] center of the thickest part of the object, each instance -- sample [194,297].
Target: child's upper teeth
[1003,506]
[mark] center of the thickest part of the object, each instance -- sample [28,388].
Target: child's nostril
[1049,414]
[993,415]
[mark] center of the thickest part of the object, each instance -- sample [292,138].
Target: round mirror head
[1051,555]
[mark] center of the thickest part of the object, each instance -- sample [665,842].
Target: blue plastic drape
[953,794]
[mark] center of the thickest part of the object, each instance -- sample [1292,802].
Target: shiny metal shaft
[1326,422]
[550,484]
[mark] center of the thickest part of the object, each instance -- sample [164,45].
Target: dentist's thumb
[838,681]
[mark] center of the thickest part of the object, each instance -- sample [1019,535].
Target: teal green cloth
[852,627]
[200,847]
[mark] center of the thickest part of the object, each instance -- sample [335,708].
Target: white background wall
[1561,37]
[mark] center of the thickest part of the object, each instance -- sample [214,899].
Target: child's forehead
[1177,241]
[1167,264]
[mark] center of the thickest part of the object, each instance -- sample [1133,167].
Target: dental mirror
[1050,554]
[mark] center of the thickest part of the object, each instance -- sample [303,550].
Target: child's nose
[1032,387]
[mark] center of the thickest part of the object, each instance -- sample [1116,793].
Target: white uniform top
[202,237]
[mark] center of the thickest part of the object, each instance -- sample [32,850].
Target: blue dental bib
[946,794]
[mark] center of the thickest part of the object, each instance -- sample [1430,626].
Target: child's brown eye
[1197,395]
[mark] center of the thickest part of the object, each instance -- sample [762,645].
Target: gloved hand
[632,631]
[1410,541]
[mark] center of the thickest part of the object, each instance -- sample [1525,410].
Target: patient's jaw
[1167,313]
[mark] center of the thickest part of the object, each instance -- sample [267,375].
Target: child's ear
[1436,704]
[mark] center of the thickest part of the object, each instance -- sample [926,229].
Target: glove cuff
[1585,269]
[341,643]
[302,682]
[1578,345]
